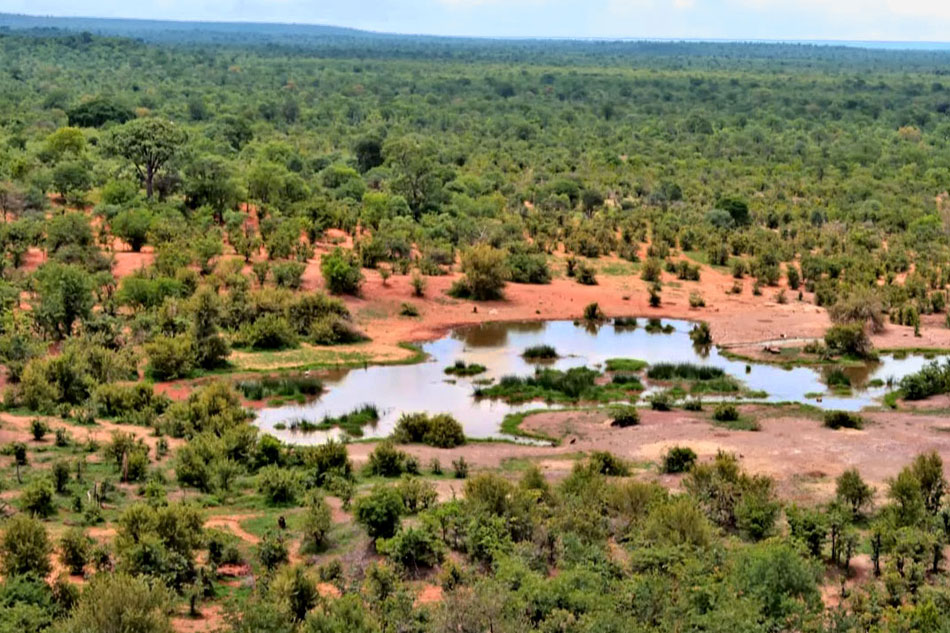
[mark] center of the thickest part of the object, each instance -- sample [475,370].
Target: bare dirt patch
[798,451]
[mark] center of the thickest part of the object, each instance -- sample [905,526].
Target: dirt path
[232,523]
[17,428]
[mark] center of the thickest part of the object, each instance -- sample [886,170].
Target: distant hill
[177,31]
[340,42]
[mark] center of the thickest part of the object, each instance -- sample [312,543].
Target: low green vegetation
[578,384]
[843,420]
[931,380]
[678,459]
[461,368]
[630,365]
[351,423]
[539,353]
[684,371]
[285,386]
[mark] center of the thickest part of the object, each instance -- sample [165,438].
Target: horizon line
[514,38]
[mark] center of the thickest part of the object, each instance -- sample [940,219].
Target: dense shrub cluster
[441,431]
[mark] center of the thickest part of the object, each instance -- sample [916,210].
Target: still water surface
[397,389]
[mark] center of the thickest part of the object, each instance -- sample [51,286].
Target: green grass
[744,423]
[626,364]
[511,425]
[726,384]
[308,357]
[460,368]
[618,269]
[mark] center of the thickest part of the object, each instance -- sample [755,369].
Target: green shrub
[837,378]
[461,368]
[585,274]
[417,494]
[407,309]
[592,312]
[539,352]
[441,431]
[684,371]
[701,334]
[606,463]
[379,512]
[37,498]
[341,272]
[849,340]
[170,357]
[413,549]
[843,420]
[25,547]
[288,274]
[272,551]
[334,330]
[75,549]
[39,429]
[269,332]
[278,485]
[693,404]
[60,472]
[931,380]
[316,522]
[726,412]
[386,460]
[460,468]
[678,459]
[486,271]
[661,401]
[528,268]
[326,462]
[624,416]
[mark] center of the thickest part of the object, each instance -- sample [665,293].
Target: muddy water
[498,346]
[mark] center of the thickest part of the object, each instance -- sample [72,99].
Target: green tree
[149,144]
[415,177]
[486,271]
[316,521]
[785,584]
[853,490]
[210,181]
[132,225]
[65,297]
[928,469]
[210,347]
[25,547]
[66,140]
[71,179]
[119,603]
[379,511]
[341,272]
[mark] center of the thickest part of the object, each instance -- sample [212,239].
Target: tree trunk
[149,178]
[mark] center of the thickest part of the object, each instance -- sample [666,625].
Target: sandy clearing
[800,453]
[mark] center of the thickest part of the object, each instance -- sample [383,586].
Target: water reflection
[498,346]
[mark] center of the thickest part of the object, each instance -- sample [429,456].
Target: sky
[863,20]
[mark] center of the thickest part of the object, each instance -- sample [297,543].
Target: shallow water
[397,389]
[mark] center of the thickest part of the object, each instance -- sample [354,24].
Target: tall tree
[148,144]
